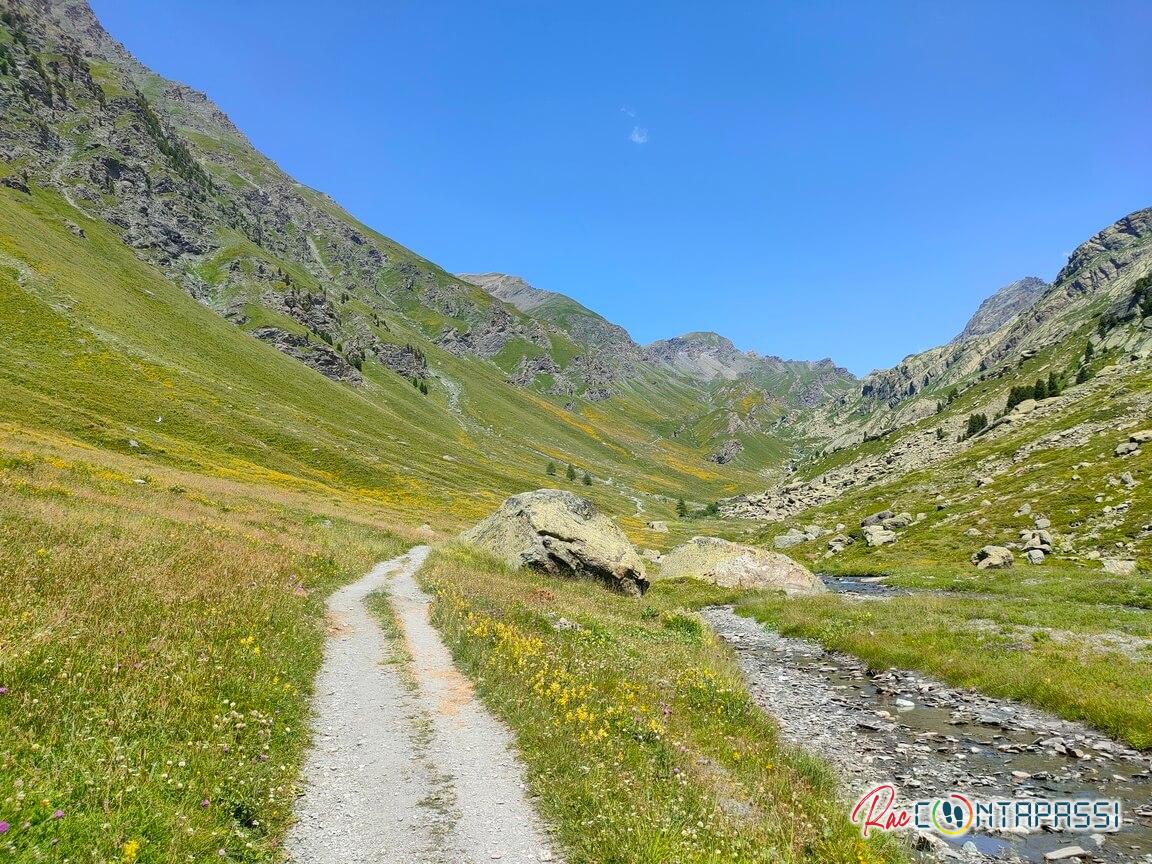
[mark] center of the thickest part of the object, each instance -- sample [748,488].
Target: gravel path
[407,764]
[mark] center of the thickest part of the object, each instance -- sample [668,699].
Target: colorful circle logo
[953,818]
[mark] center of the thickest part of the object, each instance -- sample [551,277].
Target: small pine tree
[571,472]
[976,423]
[1054,387]
[1089,353]
[424,387]
[1039,390]
[939,433]
[586,479]
[681,508]
[1083,374]
[551,469]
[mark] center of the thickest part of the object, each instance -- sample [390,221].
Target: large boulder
[561,533]
[732,565]
[878,535]
[876,518]
[993,558]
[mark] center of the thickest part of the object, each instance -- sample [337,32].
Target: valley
[223,399]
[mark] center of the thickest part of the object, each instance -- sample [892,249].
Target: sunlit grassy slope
[103,348]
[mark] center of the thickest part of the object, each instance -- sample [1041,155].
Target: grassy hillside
[105,349]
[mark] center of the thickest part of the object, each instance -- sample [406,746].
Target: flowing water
[930,739]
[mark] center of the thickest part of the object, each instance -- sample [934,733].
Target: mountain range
[146,233]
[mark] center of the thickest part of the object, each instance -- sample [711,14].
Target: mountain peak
[1003,306]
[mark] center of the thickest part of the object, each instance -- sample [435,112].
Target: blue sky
[810,179]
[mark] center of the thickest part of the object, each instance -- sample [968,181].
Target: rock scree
[563,534]
[732,565]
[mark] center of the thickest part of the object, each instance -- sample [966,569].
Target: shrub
[976,424]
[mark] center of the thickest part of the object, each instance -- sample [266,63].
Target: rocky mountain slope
[1013,299]
[1031,434]
[114,161]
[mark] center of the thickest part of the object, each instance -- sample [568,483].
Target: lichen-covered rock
[878,535]
[732,565]
[561,533]
[791,537]
[993,558]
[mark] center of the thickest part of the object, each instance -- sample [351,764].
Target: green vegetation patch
[158,644]
[638,733]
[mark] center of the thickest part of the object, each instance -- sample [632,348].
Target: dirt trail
[407,765]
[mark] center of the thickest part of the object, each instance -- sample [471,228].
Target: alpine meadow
[312,551]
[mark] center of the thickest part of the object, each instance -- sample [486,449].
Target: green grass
[638,734]
[103,345]
[158,643]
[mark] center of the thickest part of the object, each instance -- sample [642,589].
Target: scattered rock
[993,558]
[838,543]
[1127,448]
[876,518]
[900,520]
[561,533]
[1032,538]
[1034,556]
[1119,566]
[658,526]
[878,535]
[732,565]
[791,537]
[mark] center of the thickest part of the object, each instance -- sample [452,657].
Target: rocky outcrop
[561,533]
[993,558]
[728,451]
[321,357]
[1003,306]
[732,565]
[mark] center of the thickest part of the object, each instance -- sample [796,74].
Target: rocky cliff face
[189,194]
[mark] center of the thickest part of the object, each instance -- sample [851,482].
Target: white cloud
[639,135]
[624,109]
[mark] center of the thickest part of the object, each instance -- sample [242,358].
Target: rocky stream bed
[930,739]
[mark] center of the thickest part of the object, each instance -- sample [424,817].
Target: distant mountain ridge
[702,356]
[177,184]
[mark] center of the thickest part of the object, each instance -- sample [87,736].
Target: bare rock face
[732,565]
[564,534]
